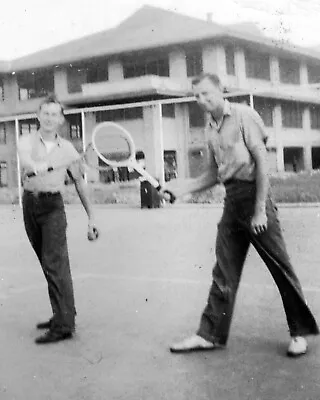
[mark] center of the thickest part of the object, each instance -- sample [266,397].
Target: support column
[153,149]
[214,60]
[83,130]
[178,66]
[306,119]
[307,157]
[181,125]
[240,65]
[60,82]
[304,80]
[11,91]
[280,158]
[89,122]
[278,138]
[115,71]
[274,70]
[18,162]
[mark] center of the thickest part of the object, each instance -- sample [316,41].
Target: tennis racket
[115,147]
[88,157]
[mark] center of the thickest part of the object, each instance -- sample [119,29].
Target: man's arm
[259,219]
[255,138]
[205,181]
[76,172]
[24,152]
[82,191]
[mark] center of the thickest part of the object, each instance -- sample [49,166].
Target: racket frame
[131,161]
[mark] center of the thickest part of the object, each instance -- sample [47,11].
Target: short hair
[212,78]
[51,99]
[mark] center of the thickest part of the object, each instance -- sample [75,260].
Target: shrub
[287,188]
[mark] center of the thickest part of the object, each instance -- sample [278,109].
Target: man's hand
[259,222]
[93,232]
[168,196]
[36,168]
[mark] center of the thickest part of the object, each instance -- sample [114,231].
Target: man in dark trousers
[44,214]
[238,159]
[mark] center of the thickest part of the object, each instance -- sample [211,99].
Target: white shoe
[192,343]
[297,347]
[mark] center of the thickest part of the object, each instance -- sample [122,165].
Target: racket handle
[172,196]
[31,174]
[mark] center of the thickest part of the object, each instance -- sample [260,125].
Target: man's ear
[62,119]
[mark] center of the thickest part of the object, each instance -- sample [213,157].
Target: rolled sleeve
[24,148]
[254,131]
[75,168]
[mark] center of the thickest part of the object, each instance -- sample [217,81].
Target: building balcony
[135,87]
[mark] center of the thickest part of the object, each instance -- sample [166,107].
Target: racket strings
[112,145]
[92,160]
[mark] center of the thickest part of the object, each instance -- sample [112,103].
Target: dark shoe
[52,337]
[44,325]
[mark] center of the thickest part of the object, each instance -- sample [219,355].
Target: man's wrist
[260,206]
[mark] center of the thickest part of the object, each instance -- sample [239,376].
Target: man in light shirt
[44,213]
[238,159]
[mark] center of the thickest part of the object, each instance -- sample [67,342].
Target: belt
[41,194]
[233,181]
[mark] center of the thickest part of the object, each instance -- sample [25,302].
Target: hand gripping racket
[115,147]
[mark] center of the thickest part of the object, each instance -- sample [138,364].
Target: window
[170,165]
[315,156]
[194,62]
[3,174]
[257,65]
[35,84]
[76,77]
[122,114]
[196,116]
[264,108]
[3,135]
[315,117]
[230,63]
[293,159]
[149,65]
[314,73]
[291,115]
[89,72]
[97,71]
[289,71]
[75,128]
[29,126]
[168,110]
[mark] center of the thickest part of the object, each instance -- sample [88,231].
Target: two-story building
[139,74]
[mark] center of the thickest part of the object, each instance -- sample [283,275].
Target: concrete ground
[140,287]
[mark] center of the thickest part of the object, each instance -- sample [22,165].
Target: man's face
[209,96]
[50,117]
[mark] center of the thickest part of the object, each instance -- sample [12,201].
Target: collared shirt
[62,154]
[231,140]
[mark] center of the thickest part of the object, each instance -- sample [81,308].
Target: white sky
[30,25]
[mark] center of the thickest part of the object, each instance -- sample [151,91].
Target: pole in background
[18,162]
[251,101]
[83,129]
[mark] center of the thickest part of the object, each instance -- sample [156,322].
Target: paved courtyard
[140,287]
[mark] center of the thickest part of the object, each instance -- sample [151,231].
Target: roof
[297,95]
[148,28]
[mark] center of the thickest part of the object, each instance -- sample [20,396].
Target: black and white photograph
[160,200]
